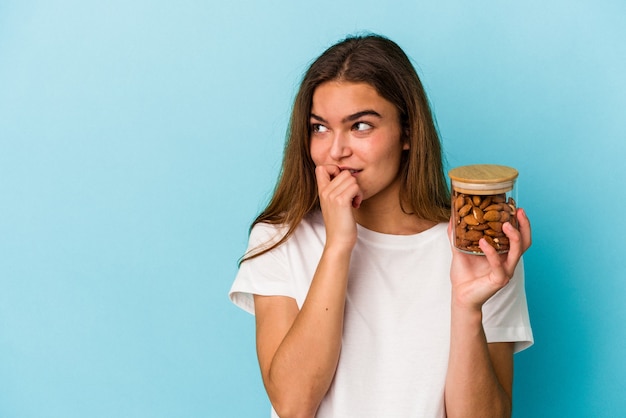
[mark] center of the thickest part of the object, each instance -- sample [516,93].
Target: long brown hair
[380,62]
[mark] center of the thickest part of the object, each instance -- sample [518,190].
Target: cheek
[389,156]
[317,152]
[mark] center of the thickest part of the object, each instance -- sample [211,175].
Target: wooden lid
[483,173]
[483,178]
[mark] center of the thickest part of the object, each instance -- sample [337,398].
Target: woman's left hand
[475,279]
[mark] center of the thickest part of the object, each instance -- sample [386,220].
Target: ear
[405,139]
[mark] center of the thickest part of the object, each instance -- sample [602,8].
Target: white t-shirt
[396,337]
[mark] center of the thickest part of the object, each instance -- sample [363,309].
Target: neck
[387,217]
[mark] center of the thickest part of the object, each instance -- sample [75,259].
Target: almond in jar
[484,197]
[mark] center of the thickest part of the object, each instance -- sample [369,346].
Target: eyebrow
[352,117]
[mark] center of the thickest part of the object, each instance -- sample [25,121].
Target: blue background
[138,139]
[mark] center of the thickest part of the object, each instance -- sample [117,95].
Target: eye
[318,128]
[361,126]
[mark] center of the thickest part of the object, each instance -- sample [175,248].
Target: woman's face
[354,128]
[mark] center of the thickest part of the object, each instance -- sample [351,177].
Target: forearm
[472,385]
[304,364]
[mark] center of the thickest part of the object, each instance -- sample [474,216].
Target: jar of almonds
[483,199]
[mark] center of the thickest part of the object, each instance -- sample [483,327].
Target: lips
[351,170]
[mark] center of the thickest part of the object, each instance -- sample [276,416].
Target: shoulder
[263,232]
[266,235]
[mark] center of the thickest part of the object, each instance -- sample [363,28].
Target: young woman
[363,308]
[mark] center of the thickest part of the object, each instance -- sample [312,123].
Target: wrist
[462,304]
[339,247]
[466,319]
[337,252]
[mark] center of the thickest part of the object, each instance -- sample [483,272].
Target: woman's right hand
[339,193]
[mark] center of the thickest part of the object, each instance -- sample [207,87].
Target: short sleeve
[266,274]
[505,315]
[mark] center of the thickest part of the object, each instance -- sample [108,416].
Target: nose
[340,146]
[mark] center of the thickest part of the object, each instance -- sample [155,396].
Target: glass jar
[483,199]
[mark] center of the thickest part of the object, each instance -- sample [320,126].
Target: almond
[473,235]
[470,220]
[465,210]
[492,215]
[459,202]
[478,214]
[486,202]
[496,226]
